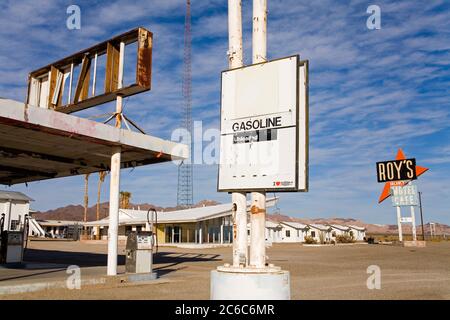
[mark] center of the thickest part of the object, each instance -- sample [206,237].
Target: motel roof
[272,224]
[296,225]
[339,227]
[133,217]
[14,195]
[57,223]
[357,228]
[319,227]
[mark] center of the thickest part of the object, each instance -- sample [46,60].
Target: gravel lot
[329,272]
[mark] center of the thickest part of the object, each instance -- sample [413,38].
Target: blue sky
[371,91]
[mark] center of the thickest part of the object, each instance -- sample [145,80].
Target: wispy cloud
[371,91]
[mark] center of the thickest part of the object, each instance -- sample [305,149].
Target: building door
[168,235]
[176,234]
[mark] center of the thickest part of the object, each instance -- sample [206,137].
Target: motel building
[293,231]
[57,228]
[14,206]
[358,233]
[285,231]
[319,232]
[273,231]
[339,230]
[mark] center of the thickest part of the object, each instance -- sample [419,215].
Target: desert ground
[326,272]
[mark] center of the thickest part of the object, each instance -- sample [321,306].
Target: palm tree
[86,199]
[86,195]
[101,179]
[125,197]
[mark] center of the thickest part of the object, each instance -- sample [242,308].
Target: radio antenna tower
[185,192]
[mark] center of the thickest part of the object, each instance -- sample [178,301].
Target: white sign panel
[406,220]
[404,196]
[264,127]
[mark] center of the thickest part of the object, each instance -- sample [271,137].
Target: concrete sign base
[250,286]
[418,244]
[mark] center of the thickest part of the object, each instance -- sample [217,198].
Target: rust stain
[145,44]
[25,113]
[255,210]
[233,210]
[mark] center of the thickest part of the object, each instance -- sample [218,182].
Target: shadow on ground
[51,261]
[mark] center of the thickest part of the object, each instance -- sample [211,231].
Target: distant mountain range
[76,213]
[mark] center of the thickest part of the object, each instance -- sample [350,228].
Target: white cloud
[370,91]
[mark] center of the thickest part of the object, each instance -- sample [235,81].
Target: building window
[288,233]
[15,224]
[313,234]
[168,234]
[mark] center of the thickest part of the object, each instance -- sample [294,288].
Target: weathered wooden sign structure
[398,175]
[263,147]
[55,86]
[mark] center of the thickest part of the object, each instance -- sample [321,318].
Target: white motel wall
[14,206]
[295,232]
[359,233]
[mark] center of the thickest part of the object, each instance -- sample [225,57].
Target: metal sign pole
[258,211]
[239,199]
[114,189]
[413,218]
[399,223]
[254,281]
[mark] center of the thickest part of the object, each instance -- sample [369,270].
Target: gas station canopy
[38,144]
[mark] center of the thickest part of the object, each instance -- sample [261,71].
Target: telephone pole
[421,215]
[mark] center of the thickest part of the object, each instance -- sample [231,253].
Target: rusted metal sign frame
[61,70]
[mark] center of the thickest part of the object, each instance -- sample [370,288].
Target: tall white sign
[264,127]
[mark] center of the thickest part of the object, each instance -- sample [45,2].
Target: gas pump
[139,247]
[153,225]
[26,230]
[2,223]
[13,243]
